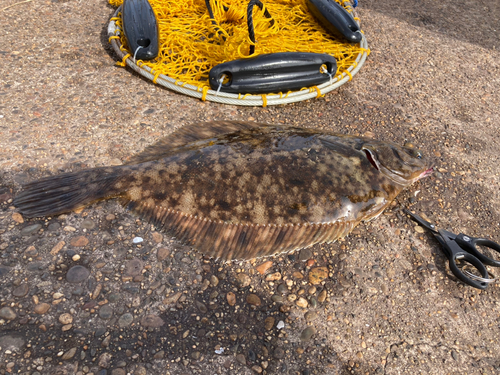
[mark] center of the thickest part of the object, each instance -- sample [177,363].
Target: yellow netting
[190,45]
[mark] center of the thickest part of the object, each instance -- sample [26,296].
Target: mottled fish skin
[242,190]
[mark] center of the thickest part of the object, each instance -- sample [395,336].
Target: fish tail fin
[68,191]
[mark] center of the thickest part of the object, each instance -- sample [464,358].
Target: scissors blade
[421,221]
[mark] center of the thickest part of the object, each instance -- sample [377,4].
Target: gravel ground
[80,296]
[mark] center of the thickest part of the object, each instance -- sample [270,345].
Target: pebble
[310,316]
[80,241]
[231,298]
[279,353]
[282,288]
[269,323]
[66,318]
[125,320]
[307,333]
[69,354]
[104,360]
[317,275]
[4,270]
[241,359]
[302,302]
[21,290]
[152,320]
[77,274]
[419,229]
[7,313]
[157,237]
[312,290]
[214,280]
[110,217]
[57,247]
[88,224]
[133,267]
[119,371]
[75,258]
[273,276]
[42,308]
[305,254]
[159,355]
[172,299]
[28,230]
[253,299]
[106,312]
[201,307]
[137,240]
[162,254]
[257,369]
[262,268]
[322,296]
[17,217]
[243,280]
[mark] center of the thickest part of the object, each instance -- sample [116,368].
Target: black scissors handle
[456,252]
[471,243]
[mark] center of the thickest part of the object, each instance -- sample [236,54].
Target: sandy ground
[388,304]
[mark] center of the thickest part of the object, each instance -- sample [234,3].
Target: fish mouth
[426,173]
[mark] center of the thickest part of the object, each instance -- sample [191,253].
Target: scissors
[463,248]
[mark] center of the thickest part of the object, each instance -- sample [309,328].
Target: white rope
[234,99]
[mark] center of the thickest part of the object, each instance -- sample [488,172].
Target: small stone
[30,229]
[307,333]
[253,299]
[66,318]
[152,320]
[157,237]
[77,274]
[88,224]
[302,302]
[322,296]
[110,217]
[170,300]
[140,371]
[80,241]
[241,359]
[75,258]
[310,316]
[57,247]
[69,228]
[280,325]
[69,354]
[310,262]
[125,320]
[118,371]
[298,275]
[21,290]
[419,229]
[42,308]
[231,298]
[104,360]
[97,291]
[7,313]
[257,369]
[201,307]
[66,327]
[106,312]
[305,254]
[195,355]
[279,353]
[269,323]
[243,280]
[317,275]
[17,217]
[159,355]
[162,254]
[137,240]
[262,268]
[106,341]
[133,267]
[273,276]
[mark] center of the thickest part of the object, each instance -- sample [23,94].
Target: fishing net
[191,44]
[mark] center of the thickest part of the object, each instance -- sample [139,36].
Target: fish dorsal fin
[187,134]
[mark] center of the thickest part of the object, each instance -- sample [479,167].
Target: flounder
[239,190]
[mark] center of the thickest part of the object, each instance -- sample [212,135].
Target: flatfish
[240,190]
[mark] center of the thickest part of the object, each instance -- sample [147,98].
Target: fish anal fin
[238,241]
[187,134]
